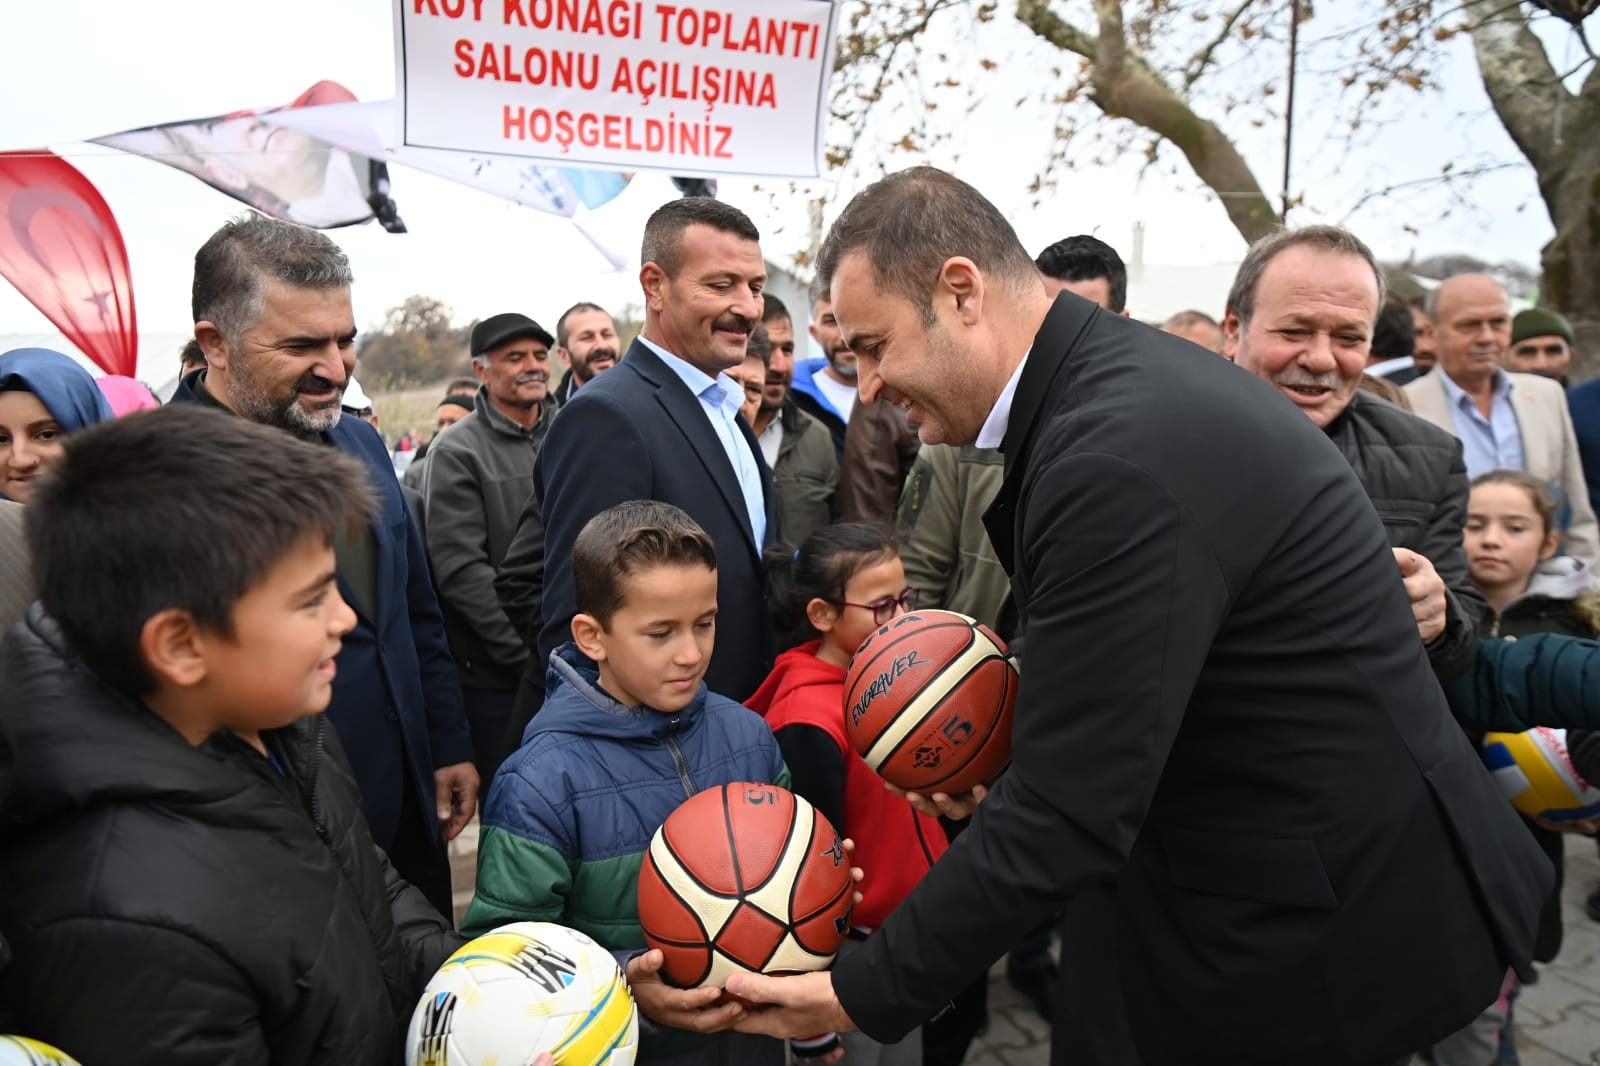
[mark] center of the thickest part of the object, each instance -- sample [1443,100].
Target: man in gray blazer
[1504,420]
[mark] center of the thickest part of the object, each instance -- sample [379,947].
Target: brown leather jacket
[879,448]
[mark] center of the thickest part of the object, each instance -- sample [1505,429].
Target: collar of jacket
[575,703]
[498,421]
[789,415]
[1069,317]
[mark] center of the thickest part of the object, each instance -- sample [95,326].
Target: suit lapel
[1533,426]
[684,409]
[1433,402]
[383,547]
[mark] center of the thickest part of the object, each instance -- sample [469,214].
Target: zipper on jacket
[311,784]
[677,758]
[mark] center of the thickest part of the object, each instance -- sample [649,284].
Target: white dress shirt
[994,428]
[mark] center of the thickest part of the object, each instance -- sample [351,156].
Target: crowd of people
[1271,574]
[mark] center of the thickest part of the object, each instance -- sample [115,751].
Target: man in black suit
[1231,761]
[664,425]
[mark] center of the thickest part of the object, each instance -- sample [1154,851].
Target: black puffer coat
[171,904]
[1414,474]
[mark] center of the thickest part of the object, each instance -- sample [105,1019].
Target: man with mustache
[664,424]
[1300,316]
[1504,420]
[479,477]
[796,446]
[586,343]
[272,312]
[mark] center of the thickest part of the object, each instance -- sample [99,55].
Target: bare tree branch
[1202,60]
[1125,85]
[1445,178]
[1037,16]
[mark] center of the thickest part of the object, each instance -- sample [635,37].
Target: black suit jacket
[636,432]
[1229,748]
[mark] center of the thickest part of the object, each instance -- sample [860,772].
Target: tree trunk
[1126,86]
[1559,132]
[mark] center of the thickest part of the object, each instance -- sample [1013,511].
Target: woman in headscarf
[43,397]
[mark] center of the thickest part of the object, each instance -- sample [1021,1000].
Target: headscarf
[67,390]
[126,395]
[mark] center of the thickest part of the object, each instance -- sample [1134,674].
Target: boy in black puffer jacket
[188,877]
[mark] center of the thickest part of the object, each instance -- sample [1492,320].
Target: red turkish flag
[60,246]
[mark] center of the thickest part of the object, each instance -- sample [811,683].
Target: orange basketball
[744,878]
[928,702]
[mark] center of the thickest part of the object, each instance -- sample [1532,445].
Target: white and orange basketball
[928,702]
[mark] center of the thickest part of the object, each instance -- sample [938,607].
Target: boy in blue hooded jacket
[628,731]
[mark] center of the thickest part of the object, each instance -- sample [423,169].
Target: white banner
[719,87]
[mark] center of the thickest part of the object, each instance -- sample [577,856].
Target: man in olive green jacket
[797,448]
[943,543]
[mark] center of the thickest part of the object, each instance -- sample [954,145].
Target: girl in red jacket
[843,583]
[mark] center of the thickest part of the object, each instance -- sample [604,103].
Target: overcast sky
[74,69]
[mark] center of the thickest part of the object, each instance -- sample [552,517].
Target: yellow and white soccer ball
[522,990]
[20,1051]
[1537,774]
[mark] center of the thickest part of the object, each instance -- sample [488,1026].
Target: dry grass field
[408,409]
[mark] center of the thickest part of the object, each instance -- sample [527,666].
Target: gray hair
[1330,239]
[910,223]
[230,266]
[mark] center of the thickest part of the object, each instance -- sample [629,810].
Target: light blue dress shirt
[1493,443]
[720,397]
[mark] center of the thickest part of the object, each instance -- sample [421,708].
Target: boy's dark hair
[1394,336]
[773,308]
[1086,258]
[821,569]
[100,525]
[760,346]
[620,541]
[663,232]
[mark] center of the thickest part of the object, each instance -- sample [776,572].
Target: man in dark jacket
[798,448]
[1301,316]
[188,876]
[272,311]
[664,425]
[479,477]
[1231,761]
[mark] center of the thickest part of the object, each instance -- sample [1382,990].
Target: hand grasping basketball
[942,805]
[698,1010]
[928,705]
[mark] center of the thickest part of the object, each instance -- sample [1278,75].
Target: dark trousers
[419,856]
[496,729]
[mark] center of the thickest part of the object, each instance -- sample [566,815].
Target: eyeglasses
[886,608]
